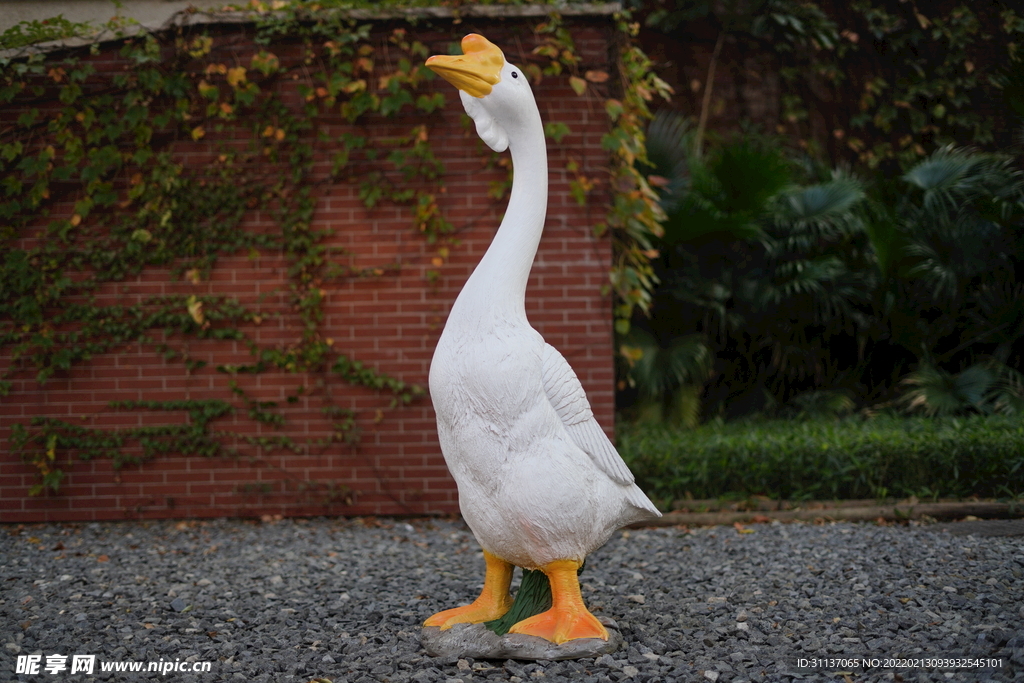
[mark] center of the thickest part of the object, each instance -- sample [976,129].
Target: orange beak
[476,70]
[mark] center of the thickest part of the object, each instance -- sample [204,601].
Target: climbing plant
[94,191]
[925,76]
[875,83]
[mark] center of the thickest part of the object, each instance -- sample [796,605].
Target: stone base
[475,641]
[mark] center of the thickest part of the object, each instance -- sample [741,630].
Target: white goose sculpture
[540,484]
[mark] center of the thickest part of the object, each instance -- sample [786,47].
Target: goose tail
[642,507]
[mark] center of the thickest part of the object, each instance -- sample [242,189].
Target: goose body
[527,488]
[540,484]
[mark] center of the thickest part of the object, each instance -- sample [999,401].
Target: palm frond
[730,192]
[700,216]
[825,202]
[935,391]
[658,370]
[750,175]
[954,177]
[997,315]
[669,141]
[949,253]
[940,275]
[713,296]
[796,277]
[685,406]
[808,217]
[824,403]
[1007,393]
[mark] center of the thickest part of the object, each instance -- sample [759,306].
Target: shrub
[851,458]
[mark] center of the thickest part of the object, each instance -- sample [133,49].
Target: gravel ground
[343,600]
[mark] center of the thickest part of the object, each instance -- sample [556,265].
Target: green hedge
[852,458]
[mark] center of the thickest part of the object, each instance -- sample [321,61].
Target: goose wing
[566,395]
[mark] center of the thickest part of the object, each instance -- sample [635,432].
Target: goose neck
[498,284]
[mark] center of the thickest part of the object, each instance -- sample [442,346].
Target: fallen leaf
[103,558]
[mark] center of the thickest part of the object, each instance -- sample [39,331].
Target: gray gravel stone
[344,600]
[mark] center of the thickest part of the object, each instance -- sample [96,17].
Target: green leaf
[614,109]
[393,103]
[556,130]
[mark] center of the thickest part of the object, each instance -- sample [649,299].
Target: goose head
[495,93]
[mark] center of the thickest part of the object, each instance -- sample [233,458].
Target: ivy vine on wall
[924,77]
[92,194]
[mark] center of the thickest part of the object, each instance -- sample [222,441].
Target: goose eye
[515,75]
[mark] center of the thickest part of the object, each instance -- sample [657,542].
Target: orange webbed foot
[472,613]
[493,602]
[560,626]
[568,618]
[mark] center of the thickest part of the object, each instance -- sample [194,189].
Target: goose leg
[492,603]
[568,618]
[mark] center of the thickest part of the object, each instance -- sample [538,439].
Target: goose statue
[540,485]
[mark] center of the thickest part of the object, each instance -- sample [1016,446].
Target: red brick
[390,323]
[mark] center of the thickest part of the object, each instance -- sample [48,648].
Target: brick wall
[390,323]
